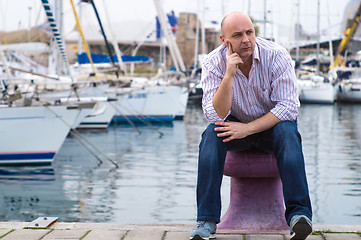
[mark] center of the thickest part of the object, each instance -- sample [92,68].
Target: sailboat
[143,99]
[90,90]
[348,78]
[33,135]
[348,84]
[316,89]
[103,111]
[151,103]
[313,87]
[33,131]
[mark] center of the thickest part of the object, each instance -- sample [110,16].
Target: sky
[20,14]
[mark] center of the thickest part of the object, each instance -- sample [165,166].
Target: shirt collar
[256,52]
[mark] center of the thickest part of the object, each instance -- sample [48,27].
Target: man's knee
[210,130]
[209,136]
[287,143]
[286,131]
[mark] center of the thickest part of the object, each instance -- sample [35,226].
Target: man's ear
[224,42]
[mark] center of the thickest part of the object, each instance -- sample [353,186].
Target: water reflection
[27,203]
[156,178]
[331,146]
[26,174]
[26,192]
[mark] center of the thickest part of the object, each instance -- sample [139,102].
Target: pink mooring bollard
[256,201]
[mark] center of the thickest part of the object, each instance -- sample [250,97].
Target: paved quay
[114,231]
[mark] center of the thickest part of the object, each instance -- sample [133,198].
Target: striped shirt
[271,86]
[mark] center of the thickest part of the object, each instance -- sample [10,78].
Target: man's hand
[222,100]
[232,130]
[233,59]
[237,130]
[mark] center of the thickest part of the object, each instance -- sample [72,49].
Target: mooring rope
[80,136]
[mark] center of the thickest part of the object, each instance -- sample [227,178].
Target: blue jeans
[283,140]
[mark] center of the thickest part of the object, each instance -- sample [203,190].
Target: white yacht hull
[33,135]
[349,91]
[153,103]
[316,92]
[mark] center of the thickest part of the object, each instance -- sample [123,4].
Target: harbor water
[156,178]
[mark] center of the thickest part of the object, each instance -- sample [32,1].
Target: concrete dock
[114,231]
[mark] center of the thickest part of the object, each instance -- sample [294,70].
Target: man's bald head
[238,32]
[234,17]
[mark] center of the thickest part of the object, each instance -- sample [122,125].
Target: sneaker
[300,227]
[204,230]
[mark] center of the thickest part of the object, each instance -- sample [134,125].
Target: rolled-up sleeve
[211,79]
[285,90]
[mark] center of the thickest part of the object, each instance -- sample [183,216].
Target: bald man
[250,99]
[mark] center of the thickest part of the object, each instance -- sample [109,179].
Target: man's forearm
[222,100]
[263,123]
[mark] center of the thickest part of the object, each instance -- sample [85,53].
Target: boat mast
[86,46]
[298,24]
[119,54]
[172,45]
[80,41]
[203,28]
[58,12]
[6,68]
[318,39]
[264,17]
[116,67]
[56,35]
[329,34]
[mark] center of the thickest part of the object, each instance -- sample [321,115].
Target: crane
[350,31]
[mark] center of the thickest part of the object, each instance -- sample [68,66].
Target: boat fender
[111,99]
[340,88]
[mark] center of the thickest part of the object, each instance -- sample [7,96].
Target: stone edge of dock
[167,227]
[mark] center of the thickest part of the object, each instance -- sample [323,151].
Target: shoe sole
[301,230]
[197,237]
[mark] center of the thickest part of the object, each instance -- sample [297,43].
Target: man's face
[240,33]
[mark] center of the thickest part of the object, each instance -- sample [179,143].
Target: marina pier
[114,231]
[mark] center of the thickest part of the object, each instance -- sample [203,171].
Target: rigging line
[118,53]
[149,123]
[32,73]
[143,30]
[77,136]
[147,116]
[86,147]
[119,112]
[37,21]
[105,39]
[74,88]
[145,121]
[5,66]
[139,118]
[125,117]
[82,36]
[137,113]
[84,138]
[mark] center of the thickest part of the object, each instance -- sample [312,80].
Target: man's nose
[245,39]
